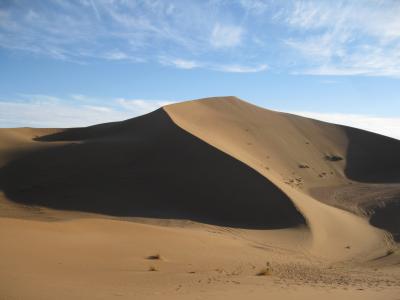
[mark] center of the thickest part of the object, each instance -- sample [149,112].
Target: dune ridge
[292,153]
[146,167]
[218,189]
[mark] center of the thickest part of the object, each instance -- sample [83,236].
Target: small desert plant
[303,166]
[389,252]
[265,271]
[333,157]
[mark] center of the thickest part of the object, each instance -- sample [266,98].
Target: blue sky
[75,63]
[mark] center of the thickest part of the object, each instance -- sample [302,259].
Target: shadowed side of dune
[147,167]
[386,217]
[372,157]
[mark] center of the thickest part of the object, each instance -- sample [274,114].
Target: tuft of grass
[304,166]
[389,252]
[333,157]
[266,271]
[154,257]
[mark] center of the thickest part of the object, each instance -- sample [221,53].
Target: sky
[82,62]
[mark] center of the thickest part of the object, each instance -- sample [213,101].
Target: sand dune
[295,153]
[146,167]
[221,189]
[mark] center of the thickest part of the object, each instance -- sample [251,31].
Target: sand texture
[207,199]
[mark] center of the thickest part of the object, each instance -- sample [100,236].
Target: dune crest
[146,167]
[295,154]
[213,197]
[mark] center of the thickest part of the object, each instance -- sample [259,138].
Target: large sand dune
[146,167]
[221,189]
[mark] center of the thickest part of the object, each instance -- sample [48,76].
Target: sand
[207,199]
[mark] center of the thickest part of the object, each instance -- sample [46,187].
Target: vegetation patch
[266,271]
[333,157]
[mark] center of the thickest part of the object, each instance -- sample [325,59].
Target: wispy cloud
[180,63]
[226,36]
[76,110]
[116,55]
[241,69]
[382,125]
[228,68]
[303,36]
[134,31]
[255,6]
[96,12]
[35,114]
[140,106]
[346,38]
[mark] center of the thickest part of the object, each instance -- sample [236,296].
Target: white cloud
[185,64]
[346,38]
[320,47]
[96,11]
[298,36]
[382,125]
[140,106]
[79,97]
[310,14]
[241,68]
[116,55]
[226,36]
[81,29]
[51,111]
[255,6]
[372,17]
[34,114]
[180,63]
[98,108]
[228,68]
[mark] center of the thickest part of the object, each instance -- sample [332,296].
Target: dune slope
[298,154]
[146,167]
[213,198]
[218,161]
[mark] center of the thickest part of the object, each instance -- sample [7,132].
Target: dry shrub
[266,271]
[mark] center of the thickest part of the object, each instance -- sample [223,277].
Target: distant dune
[221,190]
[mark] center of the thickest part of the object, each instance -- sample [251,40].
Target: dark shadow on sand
[373,158]
[388,218]
[147,167]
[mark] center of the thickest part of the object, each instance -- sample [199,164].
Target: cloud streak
[381,125]
[228,68]
[346,38]
[72,111]
[226,36]
[342,38]
[133,31]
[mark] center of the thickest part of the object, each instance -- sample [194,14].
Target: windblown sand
[206,199]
